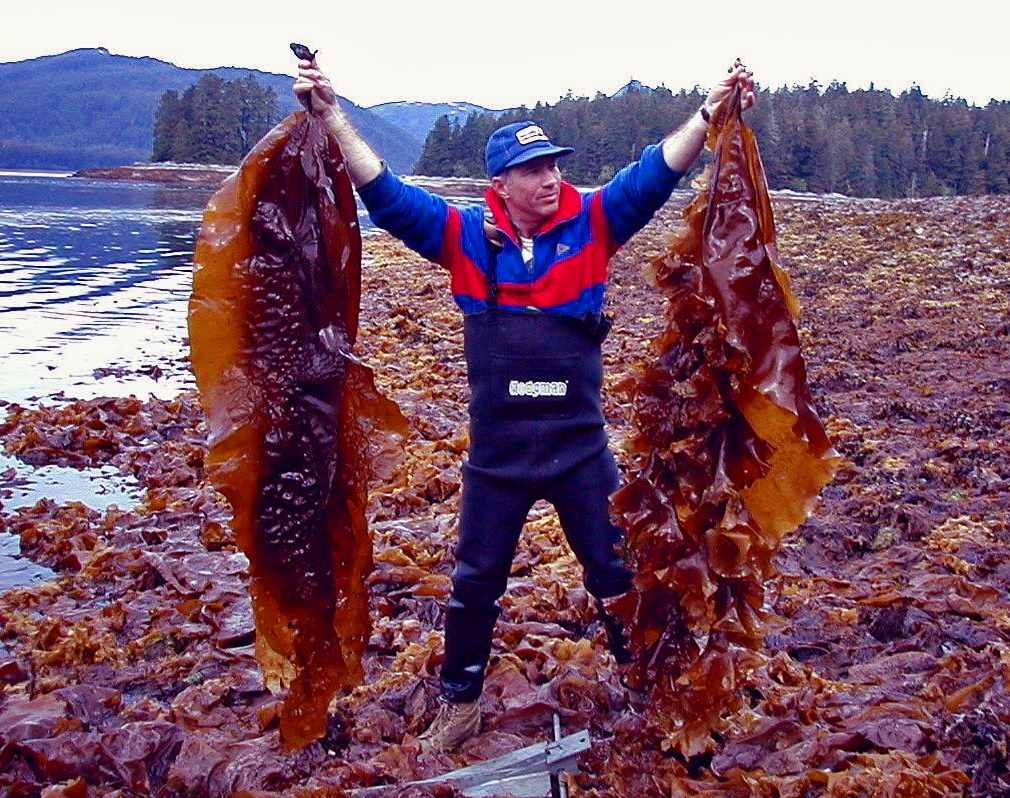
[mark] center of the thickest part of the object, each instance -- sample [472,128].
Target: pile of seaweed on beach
[885,668]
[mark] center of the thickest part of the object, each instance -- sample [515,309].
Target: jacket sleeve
[636,193]
[415,216]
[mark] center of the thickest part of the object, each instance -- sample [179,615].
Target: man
[529,278]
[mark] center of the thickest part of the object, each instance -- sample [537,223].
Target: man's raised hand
[312,82]
[739,76]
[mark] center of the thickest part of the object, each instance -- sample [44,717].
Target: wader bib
[535,382]
[536,432]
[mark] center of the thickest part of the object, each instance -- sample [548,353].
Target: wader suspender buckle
[491,277]
[597,325]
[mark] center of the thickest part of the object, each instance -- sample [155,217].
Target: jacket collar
[569,206]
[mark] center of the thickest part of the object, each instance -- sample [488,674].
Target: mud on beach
[886,664]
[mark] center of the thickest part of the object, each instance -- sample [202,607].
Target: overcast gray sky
[510,52]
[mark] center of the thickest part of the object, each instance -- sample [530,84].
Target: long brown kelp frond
[732,451]
[291,412]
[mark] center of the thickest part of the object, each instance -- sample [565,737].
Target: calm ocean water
[94,280]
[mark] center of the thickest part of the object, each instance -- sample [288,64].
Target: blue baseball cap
[517,143]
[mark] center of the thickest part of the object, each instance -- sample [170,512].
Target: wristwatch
[705,114]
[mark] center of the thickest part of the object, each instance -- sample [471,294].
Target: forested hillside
[862,143]
[90,107]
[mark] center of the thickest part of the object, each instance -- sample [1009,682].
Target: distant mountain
[632,87]
[418,118]
[92,108]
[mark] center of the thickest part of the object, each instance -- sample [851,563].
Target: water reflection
[22,485]
[95,279]
[16,570]
[94,275]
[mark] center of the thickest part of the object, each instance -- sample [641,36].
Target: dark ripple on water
[93,276]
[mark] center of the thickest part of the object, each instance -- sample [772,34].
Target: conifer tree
[166,119]
[214,121]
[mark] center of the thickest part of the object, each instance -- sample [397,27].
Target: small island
[179,174]
[213,175]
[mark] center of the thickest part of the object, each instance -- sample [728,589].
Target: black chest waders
[536,432]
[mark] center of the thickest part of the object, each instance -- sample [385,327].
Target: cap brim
[530,155]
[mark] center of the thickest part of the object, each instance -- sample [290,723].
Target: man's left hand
[739,77]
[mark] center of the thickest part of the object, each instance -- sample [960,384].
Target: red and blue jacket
[568,272]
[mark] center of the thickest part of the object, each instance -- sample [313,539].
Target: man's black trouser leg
[491,518]
[582,498]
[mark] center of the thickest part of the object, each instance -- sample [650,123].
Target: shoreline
[200,175]
[213,175]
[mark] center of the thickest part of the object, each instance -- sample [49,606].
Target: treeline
[213,121]
[865,143]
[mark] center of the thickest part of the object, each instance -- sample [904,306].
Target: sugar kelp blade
[290,411]
[732,451]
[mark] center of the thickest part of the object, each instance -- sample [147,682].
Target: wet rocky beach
[127,665]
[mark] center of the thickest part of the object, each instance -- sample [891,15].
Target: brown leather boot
[453,724]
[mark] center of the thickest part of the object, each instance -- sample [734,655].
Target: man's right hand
[363,165]
[312,82]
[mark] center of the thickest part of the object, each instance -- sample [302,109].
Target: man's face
[531,190]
